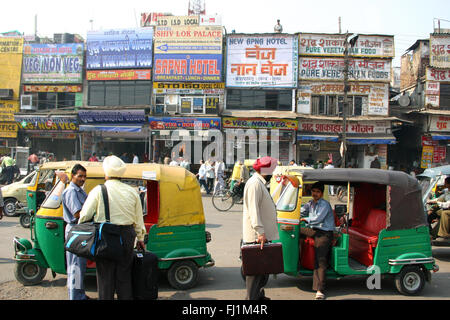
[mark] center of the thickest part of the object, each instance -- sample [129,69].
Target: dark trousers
[210,183]
[115,277]
[255,285]
[322,248]
[203,183]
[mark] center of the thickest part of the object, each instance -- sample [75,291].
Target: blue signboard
[119,49]
[168,123]
[188,67]
[112,116]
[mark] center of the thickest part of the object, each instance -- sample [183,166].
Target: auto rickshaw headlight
[208,236]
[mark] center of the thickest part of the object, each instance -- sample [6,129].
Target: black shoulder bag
[109,243]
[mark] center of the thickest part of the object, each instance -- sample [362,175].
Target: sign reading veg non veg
[252,123]
[53,63]
[262,61]
[334,44]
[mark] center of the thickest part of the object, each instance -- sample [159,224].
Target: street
[223,281]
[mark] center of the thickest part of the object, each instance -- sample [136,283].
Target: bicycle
[224,199]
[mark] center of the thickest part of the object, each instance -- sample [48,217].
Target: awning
[320,137]
[111,128]
[442,136]
[389,139]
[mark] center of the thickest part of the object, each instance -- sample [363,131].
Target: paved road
[222,281]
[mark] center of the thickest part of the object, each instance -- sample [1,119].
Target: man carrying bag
[125,211]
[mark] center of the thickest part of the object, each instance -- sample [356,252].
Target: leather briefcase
[255,261]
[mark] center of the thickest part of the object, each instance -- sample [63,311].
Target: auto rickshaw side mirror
[340,209]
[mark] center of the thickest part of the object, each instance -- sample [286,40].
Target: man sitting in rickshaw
[321,225]
[444,213]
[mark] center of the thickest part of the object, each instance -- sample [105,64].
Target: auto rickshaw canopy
[404,205]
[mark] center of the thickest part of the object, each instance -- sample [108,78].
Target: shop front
[365,140]
[262,135]
[57,134]
[114,132]
[183,137]
[436,140]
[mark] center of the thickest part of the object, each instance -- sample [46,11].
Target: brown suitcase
[267,261]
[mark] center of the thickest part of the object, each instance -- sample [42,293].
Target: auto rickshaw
[387,232]
[173,216]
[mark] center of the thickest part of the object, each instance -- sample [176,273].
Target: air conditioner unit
[6,94]
[171,108]
[28,102]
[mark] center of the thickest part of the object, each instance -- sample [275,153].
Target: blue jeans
[205,185]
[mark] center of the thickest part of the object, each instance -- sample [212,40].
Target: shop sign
[11,45]
[188,88]
[262,61]
[259,123]
[312,126]
[439,153]
[175,21]
[7,110]
[149,18]
[53,135]
[440,51]
[434,74]
[119,49]
[53,63]
[333,45]
[427,156]
[440,123]
[112,116]
[432,93]
[168,123]
[105,75]
[44,123]
[188,54]
[428,141]
[333,69]
[11,64]
[8,130]
[377,95]
[46,88]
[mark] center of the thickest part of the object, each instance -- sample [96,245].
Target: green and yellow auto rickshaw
[384,229]
[173,216]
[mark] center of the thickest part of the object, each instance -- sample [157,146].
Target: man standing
[320,220]
[73,199]
[219,168]
[375,164]
[202,177]
[259,219]
[1,204]
[125,211]
[7,165]
[135,158]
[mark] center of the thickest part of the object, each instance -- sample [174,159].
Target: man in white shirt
[259,219]
[220,175]
[135,158]
[202,177]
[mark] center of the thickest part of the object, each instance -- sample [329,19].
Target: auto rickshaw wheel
[29,273]
[410,281]
[183,275]
[25,220]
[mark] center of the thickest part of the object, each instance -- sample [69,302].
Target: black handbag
[81,240]
[109,243]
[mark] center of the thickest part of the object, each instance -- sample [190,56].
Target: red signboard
[50,88]
[105,75]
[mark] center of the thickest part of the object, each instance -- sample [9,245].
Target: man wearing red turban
[259,219]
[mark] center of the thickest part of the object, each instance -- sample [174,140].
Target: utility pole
[340,30]
[345,102]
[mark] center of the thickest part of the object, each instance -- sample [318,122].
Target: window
[288,200]
[245,99]
[119,93]
[332,105]
[444,97]
[187,104]
[54,199]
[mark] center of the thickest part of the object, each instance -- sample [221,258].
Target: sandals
[319,296]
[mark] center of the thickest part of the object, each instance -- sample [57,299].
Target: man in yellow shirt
[126,211]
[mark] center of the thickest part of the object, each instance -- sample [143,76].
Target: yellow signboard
[7,110]
[8,130]
[427,157]
[11,64]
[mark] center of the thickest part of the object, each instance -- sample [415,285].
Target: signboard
[427,156]
[149,19]
[119,49]
[438,75]
[105,75]
[8,130]
[432,93]
[259,123]
[53,63]
[439,154]
[11,64]
[168,123]
[188,88]
[112,116]
[333,69]
[46,88]
[7,110]
[440,51]
[377,102]
[333,45]
[262,61]
[210,20]
[175,21]
[188,54]
[440,123]
[45,123]
[313,126]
